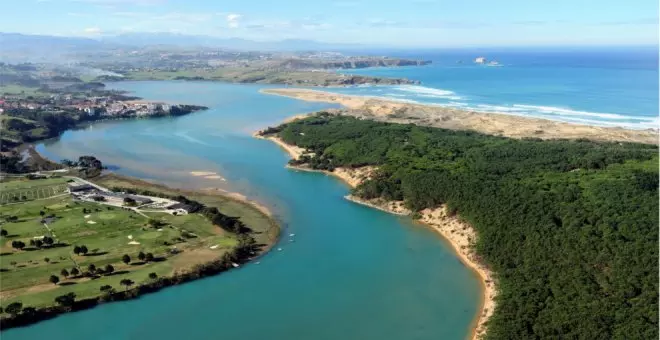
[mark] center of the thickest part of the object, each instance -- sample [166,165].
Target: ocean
[595,86]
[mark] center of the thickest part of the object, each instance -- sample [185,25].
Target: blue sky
[422,23]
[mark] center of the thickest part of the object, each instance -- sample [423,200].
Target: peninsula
[520,212]
[69,244]
[300,69]
[455,119]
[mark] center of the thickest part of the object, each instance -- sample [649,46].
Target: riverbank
[501,124]
[205,247]
[460,235]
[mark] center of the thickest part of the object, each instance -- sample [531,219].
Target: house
[180,209]
[139,199]
[77,187]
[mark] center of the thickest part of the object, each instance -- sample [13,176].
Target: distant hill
[13,43]
[146,39]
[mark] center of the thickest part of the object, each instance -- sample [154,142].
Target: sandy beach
[455,119]
[459,234]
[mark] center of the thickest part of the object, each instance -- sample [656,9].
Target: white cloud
[232,20]
[92,31]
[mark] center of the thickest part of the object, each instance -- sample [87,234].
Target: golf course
[53,245]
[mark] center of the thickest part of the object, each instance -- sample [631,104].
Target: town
[103,106]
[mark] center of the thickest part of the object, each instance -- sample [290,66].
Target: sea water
[613,86]
[350,272]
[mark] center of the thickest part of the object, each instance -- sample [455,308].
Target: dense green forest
[570,228]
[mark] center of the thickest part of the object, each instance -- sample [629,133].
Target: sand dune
[501,124]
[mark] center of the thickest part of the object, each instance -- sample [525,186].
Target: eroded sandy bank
[459,234]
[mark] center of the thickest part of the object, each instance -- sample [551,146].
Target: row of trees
[46,241]
[570,228]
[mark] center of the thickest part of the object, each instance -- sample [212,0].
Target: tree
[154,223]
[14,308]
[38,243]
[75,271]
[18,245]
[29,311]
[126,282]
[109,269]
[149,257]
[66,300]
[54,279]
[153,276]
[91,268]
[64,272]
[83,250]
[107,289]
[76,250]
[42,213]
[141,256]
[48,240]
[126,259]
[46,259]
[3,232]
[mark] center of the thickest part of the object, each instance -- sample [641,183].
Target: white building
[480,60]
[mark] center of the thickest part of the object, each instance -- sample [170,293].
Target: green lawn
[265,229]
[16,190]
[107,232]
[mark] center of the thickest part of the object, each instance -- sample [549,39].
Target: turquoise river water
[350,272]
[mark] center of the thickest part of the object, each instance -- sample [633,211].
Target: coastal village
[106,106]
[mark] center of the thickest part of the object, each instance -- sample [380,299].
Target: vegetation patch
[570,227]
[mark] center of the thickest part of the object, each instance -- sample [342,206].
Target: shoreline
[436,219]
[498,124]
[213,267]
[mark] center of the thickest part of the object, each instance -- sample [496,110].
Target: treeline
[570,228]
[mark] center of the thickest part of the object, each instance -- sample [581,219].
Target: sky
[418,23]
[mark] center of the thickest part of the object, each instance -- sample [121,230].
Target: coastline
[230,260]
[499,124]
[457,233]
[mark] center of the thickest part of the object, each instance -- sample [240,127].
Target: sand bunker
[88,216]
[91,222]
[133,242]
[214,247]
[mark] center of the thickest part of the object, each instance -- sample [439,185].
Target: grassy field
[19,190]
[12,89]
[265,229]
[251,75]
[108,233]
